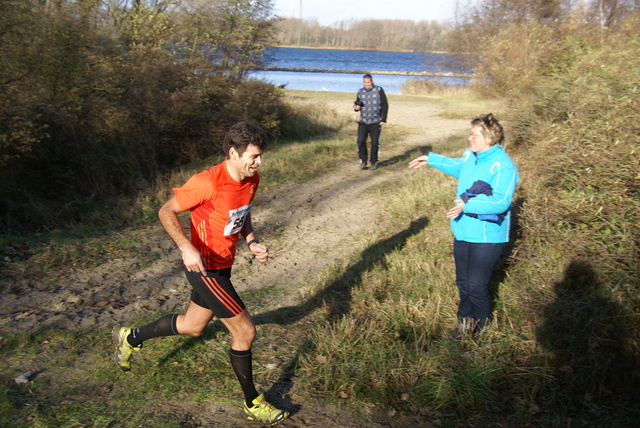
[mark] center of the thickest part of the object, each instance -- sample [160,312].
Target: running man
[220,200]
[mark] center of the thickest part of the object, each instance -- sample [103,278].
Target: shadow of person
[335,299]
[406,156]
[587,334]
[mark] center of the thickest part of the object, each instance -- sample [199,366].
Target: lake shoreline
[336,48]
[340,70]
[383,72]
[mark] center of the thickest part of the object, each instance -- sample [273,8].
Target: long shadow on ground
[335,299]
[406,156]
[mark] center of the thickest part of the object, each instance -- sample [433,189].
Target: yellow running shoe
[264,412]
[123,349]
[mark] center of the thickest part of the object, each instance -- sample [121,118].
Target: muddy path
[307,226]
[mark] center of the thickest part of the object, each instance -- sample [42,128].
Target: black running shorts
[215,292]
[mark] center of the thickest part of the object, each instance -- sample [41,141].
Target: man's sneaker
[123,349]
[374,167]
[363,165]
[264,412]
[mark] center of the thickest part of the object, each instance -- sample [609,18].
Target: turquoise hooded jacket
[493,166]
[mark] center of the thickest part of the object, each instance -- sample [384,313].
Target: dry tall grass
[581,215]
[433,87]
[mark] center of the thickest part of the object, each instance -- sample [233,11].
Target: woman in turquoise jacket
[480,217]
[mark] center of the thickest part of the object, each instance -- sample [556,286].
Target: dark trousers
[474,267]
[373,131]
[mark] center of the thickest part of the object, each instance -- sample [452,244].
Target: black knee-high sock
[164,326]
[242,365]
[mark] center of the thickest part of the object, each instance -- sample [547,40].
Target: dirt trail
[310,225]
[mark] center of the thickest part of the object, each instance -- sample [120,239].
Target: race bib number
[236,220]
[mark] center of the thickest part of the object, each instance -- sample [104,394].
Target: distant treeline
[393,35]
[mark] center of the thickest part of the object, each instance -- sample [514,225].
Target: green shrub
[91,116]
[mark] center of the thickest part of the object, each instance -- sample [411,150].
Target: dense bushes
[91,111]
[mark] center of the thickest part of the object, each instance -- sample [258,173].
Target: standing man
[220,200]
[371,102]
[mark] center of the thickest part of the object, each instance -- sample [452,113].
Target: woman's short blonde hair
[491,128]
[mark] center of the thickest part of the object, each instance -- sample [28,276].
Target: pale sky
[329,12]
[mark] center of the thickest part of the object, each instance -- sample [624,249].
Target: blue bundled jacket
[481,188]
[495,168]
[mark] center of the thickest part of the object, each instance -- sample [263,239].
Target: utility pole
[292,9]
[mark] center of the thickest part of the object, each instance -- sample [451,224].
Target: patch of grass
[299,161]
[433,87]
[310,117]
[74,381]
[79,247]
[469,107]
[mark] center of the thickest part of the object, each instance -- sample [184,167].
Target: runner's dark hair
[241,134]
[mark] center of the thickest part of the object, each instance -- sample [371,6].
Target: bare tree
[369,34]
[610,11]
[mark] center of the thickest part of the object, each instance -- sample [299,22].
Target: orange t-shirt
[219,206]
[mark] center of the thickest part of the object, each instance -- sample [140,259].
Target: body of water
[348,62]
